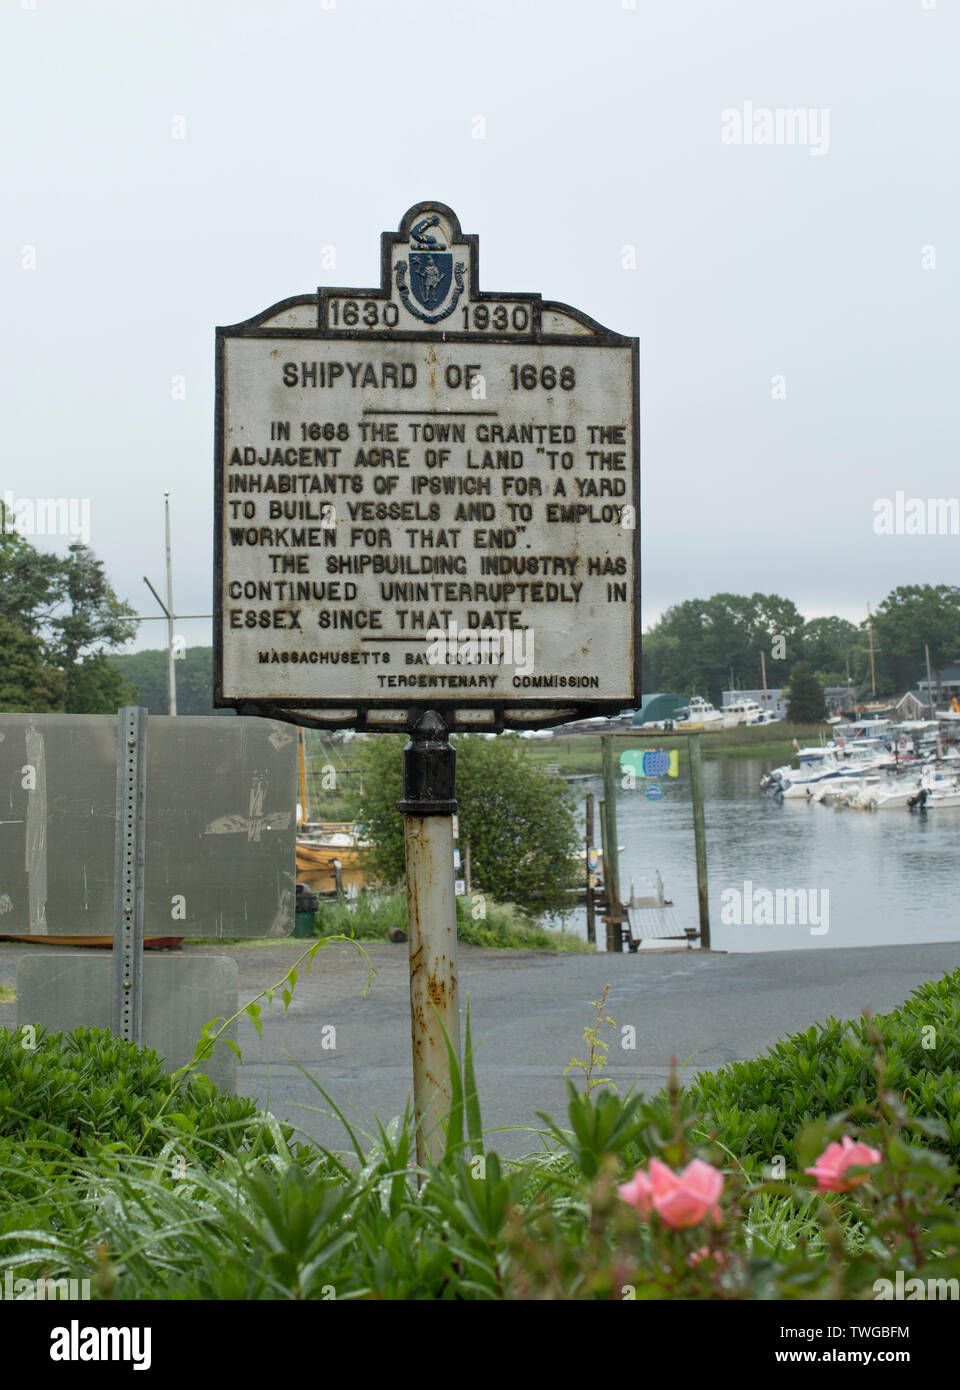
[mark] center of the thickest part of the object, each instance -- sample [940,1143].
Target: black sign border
[505,712]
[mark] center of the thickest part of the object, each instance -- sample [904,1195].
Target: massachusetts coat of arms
[435,280]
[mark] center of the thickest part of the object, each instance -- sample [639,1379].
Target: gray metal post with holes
[128,877]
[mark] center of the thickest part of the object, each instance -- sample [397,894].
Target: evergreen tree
[96,687]
[805,697]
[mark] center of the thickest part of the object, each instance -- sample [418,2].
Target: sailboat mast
[873,669]
[763,667]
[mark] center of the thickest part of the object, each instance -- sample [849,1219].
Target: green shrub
[71,1095]
[246,1217]
[550,1226]
[757,1107]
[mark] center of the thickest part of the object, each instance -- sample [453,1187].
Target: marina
[891,876]
[879,766]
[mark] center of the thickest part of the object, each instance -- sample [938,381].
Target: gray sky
[311,124]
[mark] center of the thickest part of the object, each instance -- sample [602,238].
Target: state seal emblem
[435,282]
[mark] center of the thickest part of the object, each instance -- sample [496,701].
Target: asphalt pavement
[528,1012]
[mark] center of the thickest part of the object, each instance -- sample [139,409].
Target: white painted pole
[428,807]
[432,933]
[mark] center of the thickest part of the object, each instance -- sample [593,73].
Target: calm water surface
[892,877]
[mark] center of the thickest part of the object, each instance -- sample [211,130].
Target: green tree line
[61,624]
[697,643]
[146,671]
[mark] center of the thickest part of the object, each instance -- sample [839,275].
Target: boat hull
[311,857]
[102,943]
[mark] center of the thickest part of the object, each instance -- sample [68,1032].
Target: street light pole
[171,670]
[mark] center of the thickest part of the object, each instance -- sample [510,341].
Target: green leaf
[454,1127]
[472,1095]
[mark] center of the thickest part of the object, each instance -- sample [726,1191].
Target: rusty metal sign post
[428,807]
[427,521]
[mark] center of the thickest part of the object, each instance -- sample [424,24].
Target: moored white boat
[741,712]
[886,796]
[939,791]
[696,714]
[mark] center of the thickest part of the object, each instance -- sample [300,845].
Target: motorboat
[766,716]
[741,712]
[698,713]
[938,790]
[846,790]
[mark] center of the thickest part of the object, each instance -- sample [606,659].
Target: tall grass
[504,925]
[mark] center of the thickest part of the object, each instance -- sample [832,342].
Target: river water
[872,878]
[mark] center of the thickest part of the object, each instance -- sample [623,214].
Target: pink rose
[836,1159]
[679,1199]
[637,1192]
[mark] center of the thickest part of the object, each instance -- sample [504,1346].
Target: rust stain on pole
[428,808]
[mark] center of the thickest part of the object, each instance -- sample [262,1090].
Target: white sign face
[427,497]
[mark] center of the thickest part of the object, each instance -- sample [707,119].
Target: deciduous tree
[520,820]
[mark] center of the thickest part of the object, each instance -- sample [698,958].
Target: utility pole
[763,668]
[168,610]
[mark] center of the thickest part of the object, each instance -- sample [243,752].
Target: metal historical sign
[427,496]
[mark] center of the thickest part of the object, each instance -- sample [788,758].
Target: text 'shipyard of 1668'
[429,497]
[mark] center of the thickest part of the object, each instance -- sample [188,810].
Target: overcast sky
[831,264]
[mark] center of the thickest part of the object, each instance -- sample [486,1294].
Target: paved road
[529,1010]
